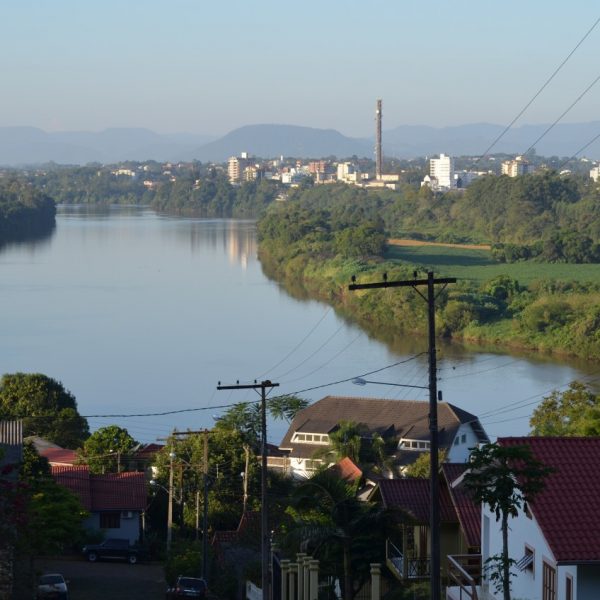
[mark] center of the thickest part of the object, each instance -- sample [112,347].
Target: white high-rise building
[442,169]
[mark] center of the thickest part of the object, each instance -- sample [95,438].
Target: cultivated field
[475,263]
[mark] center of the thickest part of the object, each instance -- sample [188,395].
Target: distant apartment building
[236,166]
[441,172]
[516,167]
[595,173]
[348,173]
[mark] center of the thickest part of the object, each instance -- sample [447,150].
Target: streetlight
[361,381]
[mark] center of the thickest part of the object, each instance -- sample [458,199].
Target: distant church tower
[378,161]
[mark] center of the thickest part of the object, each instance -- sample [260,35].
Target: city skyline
[207,69]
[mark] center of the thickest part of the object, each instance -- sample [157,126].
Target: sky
[205,67]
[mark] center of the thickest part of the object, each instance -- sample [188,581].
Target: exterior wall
[459,450]
[523,531]
[130,528]
[595,173]
[587,583]
[301,468]
[442,169]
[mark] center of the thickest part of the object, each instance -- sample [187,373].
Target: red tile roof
[346,469]
[568,509]
[77,479]
[118,491]
[411,495]
[114,491]
[468,512]
[59,456]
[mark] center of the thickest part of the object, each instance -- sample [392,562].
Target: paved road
[108,580]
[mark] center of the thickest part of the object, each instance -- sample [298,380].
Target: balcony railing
[406,567]
[464,575]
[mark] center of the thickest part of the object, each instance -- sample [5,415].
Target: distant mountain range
[21,146]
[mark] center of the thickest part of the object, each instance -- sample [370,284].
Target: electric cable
[550,127]
[579,151]
[508,127]
[296,346]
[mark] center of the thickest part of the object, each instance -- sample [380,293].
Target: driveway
[108,580]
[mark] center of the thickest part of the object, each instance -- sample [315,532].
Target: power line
[507,128]
[297,345]
[579,151]
[587,89]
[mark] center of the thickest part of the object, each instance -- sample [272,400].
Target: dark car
[112,549]
[52,586]
[188,587]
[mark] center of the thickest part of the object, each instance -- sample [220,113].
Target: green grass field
[478,265]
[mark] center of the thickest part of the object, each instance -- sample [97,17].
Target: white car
[52,585]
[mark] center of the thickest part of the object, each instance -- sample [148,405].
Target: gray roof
[402,418]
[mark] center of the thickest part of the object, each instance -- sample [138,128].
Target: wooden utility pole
[434,507]
[205,433]
[264,520]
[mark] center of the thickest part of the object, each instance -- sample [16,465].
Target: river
[141,314]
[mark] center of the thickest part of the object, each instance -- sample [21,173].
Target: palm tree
[329,522]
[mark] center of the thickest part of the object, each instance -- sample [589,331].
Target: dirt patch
[403,242]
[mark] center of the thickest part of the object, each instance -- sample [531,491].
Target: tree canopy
[576,411]
[48,410]
[105,451]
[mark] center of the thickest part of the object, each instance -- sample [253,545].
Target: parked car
[52,586]
[188,587]
[112,549]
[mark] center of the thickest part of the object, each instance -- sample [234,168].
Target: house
[556,540]
[115,501]
[53,453]
[408,547]
[404,421]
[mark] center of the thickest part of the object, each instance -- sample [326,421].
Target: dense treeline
[190,189]
[315,245]
[24,211]
[214,196]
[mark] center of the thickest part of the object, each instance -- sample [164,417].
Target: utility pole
[205,432]
[205,515]
[434,506]
[264,520]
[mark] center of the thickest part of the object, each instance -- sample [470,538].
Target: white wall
[459,452]
[525,531]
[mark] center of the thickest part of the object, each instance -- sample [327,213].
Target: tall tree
[575,411]
[48,410]
[106,450]
[504,478]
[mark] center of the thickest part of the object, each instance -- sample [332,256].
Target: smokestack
[378,161]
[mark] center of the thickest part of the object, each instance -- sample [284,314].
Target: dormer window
[408,444]
[310,438]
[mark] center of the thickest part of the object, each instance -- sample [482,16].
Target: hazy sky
[209,67]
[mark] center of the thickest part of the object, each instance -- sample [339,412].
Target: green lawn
[478,265]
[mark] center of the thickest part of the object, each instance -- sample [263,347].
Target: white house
[405,421]
[556,541]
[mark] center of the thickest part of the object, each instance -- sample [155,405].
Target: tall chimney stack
[378,160]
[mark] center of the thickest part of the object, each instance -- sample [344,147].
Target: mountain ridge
[25,145]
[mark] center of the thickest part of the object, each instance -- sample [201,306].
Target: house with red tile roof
[404,421]
[115,501]
[556,540]
[408,549]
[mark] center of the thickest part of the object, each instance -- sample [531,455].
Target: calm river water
[137,313]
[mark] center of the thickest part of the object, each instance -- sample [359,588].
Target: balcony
[464,578]
[404,567]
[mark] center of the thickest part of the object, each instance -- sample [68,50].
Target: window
[548,582]
[456,441]
[569,588]
[463,438]
[528,561]
[110,520]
